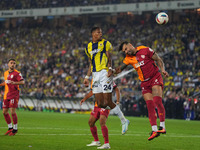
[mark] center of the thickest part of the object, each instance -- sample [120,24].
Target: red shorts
[10,103]
[99,111]
[147,85]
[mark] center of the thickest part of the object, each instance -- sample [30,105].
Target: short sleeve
[86,51]
[109,46]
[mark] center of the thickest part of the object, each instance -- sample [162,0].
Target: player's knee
[5,113]
[102,122]
[91,124]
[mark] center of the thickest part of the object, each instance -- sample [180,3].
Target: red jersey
[143,63]
[11,90]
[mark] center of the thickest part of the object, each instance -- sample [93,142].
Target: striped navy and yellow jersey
[97,53]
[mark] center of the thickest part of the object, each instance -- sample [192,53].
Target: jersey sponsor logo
[143,56]
[94,51]
[139,64]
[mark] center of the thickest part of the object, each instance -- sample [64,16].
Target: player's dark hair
[95,28]
[122,44]
[11,59]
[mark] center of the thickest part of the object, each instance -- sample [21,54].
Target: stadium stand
[44,50]
[21,4]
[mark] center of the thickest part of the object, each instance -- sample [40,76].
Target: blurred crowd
[53,62]
[27,4]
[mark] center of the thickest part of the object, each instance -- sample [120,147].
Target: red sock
[14,118]
[7,118]
[161,110]
[104,131]
[94,133]
[151,112]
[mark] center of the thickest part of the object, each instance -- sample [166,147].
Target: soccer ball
[162,18]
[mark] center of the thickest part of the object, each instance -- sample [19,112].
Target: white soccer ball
[162,18]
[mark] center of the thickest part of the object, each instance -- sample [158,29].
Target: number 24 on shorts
[107,87]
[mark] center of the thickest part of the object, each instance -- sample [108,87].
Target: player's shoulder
[6,72]
[90,43]
[142,47]
[16,72]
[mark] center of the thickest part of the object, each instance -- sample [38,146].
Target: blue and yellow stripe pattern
[97,53]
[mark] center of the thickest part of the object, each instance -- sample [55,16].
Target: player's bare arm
[160,64]
[86,80]
[87,96]
[120,68]
[18,83]
[110,71]
[2,84]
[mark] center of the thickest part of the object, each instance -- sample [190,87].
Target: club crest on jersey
[100,44]
[143,56]
[11,76]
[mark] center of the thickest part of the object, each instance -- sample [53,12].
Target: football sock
[14,118]
[94,133]
[154,128]
[161,110]
[151,112]
[104,130]
[119,113]
[8,120]
[162,124]
[15,126]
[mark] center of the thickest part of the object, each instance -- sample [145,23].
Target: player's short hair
[95,28]
[11,59]
[122,44]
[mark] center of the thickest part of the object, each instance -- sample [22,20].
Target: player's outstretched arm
[2,84]
[160,64]
[86,97]
[120,68]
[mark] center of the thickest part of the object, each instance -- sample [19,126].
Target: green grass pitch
[56,131]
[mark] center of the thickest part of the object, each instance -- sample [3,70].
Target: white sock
[10,125]
[162,124]
[154,128]
[119,113]
[15,127]
[107,107]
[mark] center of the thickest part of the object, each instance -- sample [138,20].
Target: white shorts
[101,83]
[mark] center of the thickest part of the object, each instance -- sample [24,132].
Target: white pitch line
[180,136]
[133,133]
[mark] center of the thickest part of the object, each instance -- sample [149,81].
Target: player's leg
[157,98]
[103,117]
[15,120]
[94,116]
[7,116]
[115,108]
[148,97]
